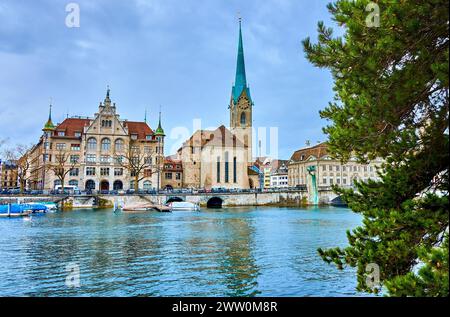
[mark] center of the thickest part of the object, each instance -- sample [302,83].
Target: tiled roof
[219,137]
[317,151]
[140,128]
[72,125]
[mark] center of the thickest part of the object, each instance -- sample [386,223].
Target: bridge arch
[174,199]
[215,203]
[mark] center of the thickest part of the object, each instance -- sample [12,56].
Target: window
[337,168]
[134,137]
[118,171]
[331,181]
[74,172]
[90,171]
[330,168]
[119,145]
[92,144]
[105,159]
[77,134]
[344,181]
[61,133]
[104,171]
[73,183]
[227,168]
[235,170]
[148,173]
[324,168]
[91,158]
[178,176]
[218,169]
[74,158]
[60,146]
[119,159]
[148,137]
[106,144]
[75,147]
[168,175]
[324,181]
[106,123]
[243,119]
[147,185]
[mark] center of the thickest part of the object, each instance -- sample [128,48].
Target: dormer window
[134,136]
[78,134]
[61,133]
[148,137]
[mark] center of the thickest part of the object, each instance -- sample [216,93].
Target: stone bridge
[212,200]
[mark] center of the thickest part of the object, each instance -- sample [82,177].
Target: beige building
[214,159]
[8,175]
[328,171]
[98,152]
[172,174]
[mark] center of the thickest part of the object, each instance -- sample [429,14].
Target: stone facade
[172,174]
[328,171]
[8,175]
[96,149]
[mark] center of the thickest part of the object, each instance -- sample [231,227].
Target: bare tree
[20,155]
[136,161]
[63,165]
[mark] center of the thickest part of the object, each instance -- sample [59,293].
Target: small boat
[15,210]
[183,206]
[138,208]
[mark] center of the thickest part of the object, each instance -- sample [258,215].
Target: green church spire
[159,130]
[49,125]
[240,83]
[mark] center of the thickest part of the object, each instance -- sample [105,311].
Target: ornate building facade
[98,153]
[328,171]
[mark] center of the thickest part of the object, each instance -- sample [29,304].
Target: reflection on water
[232,252]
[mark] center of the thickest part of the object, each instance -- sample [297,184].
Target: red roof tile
[140,128]
[72,125]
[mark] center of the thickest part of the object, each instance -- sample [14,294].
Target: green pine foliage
[392,101]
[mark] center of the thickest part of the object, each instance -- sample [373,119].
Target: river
[230,252]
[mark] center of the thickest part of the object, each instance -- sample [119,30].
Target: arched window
[90,185]
[119,145]
[243,119]
[106,144]
[147,185]
[57,182]
[92,144]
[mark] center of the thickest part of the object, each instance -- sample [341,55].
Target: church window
[243,119]
[218,169]
[227,168]
[235,170]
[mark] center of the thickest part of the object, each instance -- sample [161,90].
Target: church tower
[241,104]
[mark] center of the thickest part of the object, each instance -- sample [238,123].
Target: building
[172,174]
[9,175]
[103,152]
[221,158]
[279,176]
[316,161]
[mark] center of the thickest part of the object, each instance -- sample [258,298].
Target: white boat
[183,206]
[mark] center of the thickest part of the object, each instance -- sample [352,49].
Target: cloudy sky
[180,54]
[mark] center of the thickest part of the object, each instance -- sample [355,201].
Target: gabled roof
[317,151]
[222,137]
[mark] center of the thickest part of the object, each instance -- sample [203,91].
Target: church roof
[240,83]
[221,137]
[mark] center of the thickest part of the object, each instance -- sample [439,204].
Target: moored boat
[183,206]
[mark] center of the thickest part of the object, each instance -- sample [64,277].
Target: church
[222,158]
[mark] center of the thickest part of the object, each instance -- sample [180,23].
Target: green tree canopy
[392,101]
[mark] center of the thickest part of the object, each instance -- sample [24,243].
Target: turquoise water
[232,252]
